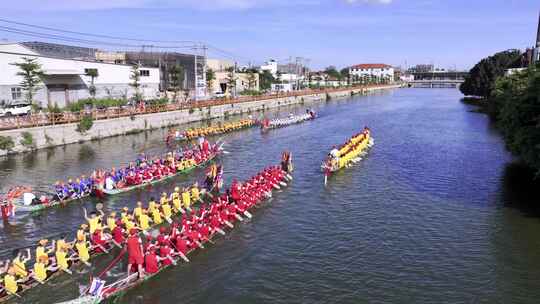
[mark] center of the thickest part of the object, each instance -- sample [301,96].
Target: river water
[424,218]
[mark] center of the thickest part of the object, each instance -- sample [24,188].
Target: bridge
[437,79]
[435,83]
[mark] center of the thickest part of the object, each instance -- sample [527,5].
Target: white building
[282,87]
[65,80]
[271,66]
[375,71]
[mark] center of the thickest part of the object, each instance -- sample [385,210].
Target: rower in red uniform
[165,252]
[118,233]
[135,252]
[99,241]
[151,261]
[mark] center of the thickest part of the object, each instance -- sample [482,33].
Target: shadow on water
[521,188]
[86,152]
[8,163]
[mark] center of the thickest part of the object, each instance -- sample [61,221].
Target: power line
[183,44]
[95,35]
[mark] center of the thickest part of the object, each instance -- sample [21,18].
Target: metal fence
[51,119]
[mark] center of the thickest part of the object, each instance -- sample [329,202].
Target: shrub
[160,101]
[85,124]
[54,109]
[250,93]
[27,140]
[6,143]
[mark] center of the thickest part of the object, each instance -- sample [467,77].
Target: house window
[144,73]
[16,93]
[88,71]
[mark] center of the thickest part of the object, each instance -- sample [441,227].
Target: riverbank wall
[52,136]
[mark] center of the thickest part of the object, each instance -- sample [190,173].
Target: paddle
[229,224]
[246,213]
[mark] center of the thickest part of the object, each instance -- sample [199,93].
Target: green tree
[176,73]
[231,81]
[265,80]
[252,80]
[481,79]
[517,98]
[210,77]
[31,73]
[345,74]
[93,74]
[332,72]
[136,82]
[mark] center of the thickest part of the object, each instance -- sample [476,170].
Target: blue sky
[447,33]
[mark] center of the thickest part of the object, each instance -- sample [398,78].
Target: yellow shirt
[40,271]
[144,222]
[167,212]
[164,200]
[151,206]
[94,224]
[186,199]
[82,251]
[10,283]
[138,211]
[20,268]
[156,216]
[81,234]
[124,217]
[129,225]
[61,259]
[175,195]
[40,251]
[177,204]
[195,193]
[111,223]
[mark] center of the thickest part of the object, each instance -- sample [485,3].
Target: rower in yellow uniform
[62,258]
[144,221]
[129,223]
[167,211]
[156,215]
[41,268]
[19,264]
[94,221]
[111,221]
[195,194]
[81,233]
[43,251]
[152,205]
[177,203]
[138,210]
[124,215]
[82,251]
[11,283]
[186,199]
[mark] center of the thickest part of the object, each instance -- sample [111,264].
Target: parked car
[219,95]
[16,109]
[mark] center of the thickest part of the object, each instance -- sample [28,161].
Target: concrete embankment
[51,136]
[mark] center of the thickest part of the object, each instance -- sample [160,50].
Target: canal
[424,218]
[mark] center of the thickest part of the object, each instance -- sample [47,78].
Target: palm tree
[93,74]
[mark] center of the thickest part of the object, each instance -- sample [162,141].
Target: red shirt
[151,263]
[164,251]
[181,245]
[118,235]
[134,247]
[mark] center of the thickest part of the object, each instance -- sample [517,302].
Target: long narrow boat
[185,171]
[210,131]
[55,203]
[287,121]
[348,153]
[93,254]
[119,288]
